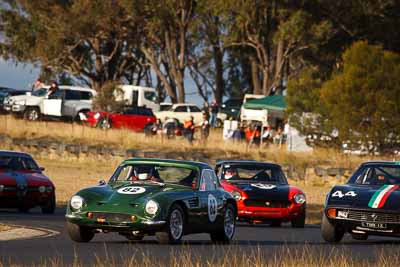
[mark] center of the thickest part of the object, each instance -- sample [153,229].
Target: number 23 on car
[145,197]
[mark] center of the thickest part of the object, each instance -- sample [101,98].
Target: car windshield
[252,173]
[40,92]
[18,163]
[377,175]
[155,173]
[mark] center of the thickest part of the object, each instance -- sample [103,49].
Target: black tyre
[276,223]
[32,114]
[23,209]
[50,206]
[226,229]
[330,232]
[104,124]
[175,226]
[300,221]
[219,123]
[359,236]
[78,233]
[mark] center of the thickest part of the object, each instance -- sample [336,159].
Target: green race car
[166,198]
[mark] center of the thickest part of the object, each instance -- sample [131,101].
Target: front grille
[112,217]
[373,217]
[266,203]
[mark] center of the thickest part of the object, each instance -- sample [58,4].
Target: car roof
[381,162]
[187,163]
[246,162]
[73,88]
[14,153]
[185,104]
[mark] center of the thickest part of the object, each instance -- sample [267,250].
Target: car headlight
[97,116]
[1,187]
[20,102]
[42,189]
[151,207]
[299,198]
[236,195]
[76,202]
[49,189]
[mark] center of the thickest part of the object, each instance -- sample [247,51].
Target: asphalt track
[248,239]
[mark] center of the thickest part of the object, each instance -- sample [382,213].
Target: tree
[166,28]
[94,41]
[362,99]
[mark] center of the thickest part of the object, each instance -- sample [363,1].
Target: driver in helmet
[230,173]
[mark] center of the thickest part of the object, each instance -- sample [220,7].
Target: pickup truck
[70,102]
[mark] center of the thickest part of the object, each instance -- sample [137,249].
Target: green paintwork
[106,199]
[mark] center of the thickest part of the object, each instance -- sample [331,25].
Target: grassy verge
[232,257]
[4,227]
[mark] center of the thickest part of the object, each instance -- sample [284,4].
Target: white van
[139,96]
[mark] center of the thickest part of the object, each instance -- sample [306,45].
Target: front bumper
[18,108]
[141,224]
[369,221]
[247,213]
[15,199]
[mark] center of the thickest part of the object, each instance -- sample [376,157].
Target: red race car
[262,192]
[23,185]
[133,118]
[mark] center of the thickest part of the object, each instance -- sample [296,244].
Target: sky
[20,76]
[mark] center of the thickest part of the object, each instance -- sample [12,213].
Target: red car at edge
[23,184]
[262,192]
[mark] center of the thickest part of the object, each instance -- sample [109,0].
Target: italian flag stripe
[380,196]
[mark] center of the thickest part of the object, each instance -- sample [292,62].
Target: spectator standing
[204,129]
[37,85]
[214,109]
[188,129]
[53,90]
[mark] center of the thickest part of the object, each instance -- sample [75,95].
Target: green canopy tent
[275,102]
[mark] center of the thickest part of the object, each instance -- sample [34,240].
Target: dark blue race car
[369,204]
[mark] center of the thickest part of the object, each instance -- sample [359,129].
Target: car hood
[385,197]
[263,190]
[113,197]
[12,178]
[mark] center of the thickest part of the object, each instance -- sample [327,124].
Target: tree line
[226,47]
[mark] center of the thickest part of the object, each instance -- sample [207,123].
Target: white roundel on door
[212,208]
[131,190]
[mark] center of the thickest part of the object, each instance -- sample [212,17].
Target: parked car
[262,192]
[231,108]
[368,204]
[6,93]
[23,184]
[70,103]
[166,198]
[134,118]
[183,112]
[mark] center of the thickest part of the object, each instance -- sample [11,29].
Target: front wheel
[78,233]
[32,114]
[300,221]
[226,231]
[330,232]
[104,124]
[175,226]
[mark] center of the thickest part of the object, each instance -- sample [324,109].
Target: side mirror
[42,169]
[102,182]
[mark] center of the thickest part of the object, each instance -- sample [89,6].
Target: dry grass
[4,227]
[232,257]
[72,174]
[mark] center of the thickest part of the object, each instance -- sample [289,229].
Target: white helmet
[143,176]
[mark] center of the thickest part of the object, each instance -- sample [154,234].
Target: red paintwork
[119,120]
[10,199]
[266,213]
